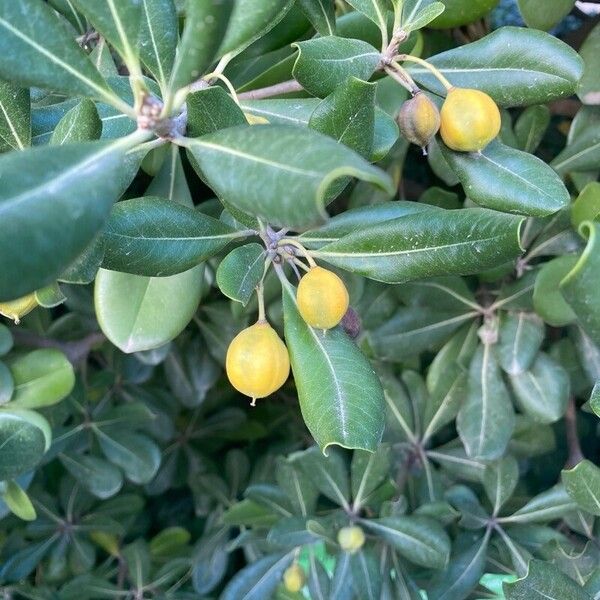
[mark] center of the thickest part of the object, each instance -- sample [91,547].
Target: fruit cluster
[257,361]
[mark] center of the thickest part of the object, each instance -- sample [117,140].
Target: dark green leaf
[95,474]
[544,19]
[548,300]
[80,124]
[582,483]
[366,579]
[531,126]
[520,338]
[210,110]
[15,116]
[589,85]
[549,505]
[499,481]
[321,14]
[368,470]
[241,271]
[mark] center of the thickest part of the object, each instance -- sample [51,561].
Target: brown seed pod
[419,120]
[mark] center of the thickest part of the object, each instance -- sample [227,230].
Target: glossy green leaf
[24,437]
[250,20]
[499,481]
[205,26]
[542,391]
[421,14]
[31,57]
[520,337]
[321,14]
[15,116]
[42,198]
[589,85]
[95,474]
[486,419]
[587,205]
[156,237]
[259,579]
[547,506]
[241,271]
[141,313]
[509,180]
[461,12]
[548,300]
[544,580]
[136,454]
[157,41]
[582,483]
[324,63]
[427,244]
[340,396]
[80,124]
[348,115]
[531,126]
[579,287]
[546,19]
[514,65]
[420,540]
[366,578]
[375,10]
[18,502]
[368,470]
[300,179]
[210,110]
[42,378]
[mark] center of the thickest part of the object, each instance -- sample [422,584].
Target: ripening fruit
[15,309]
[322,298]
[351,539]
[294,578]
[419,120]
[257,361]
[470,120]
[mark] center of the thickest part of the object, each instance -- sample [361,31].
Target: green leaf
[499,481]
[514,65]
[549,505]
[418,18]
[24,437]
[548,300]
[595,400]
[509,180]
[368,470]
[582,483]
[542,392]
[375,10]
[427,244]
[210,110]
[141,313]
[298,486]
[250,20]
[420,540]
[241,271]
[95,474]
[119,22]
[156,237]
[42,198]
[15,116]
[157,41]
[461,12]
[18,502]
[205,26]
[325,63]
[587,205]
[258,580]
[31,57]
[321,14]
[348,115]
[42,378]
[7,384]
[80,124]
[544,580]
[520,337]
[50,296]
[236,161]
[341,398]
[582,152]
[6,340]
[486,419]
[589,85]
[366,576]
[531,126]
[137,455]
[579,287]
[544,19]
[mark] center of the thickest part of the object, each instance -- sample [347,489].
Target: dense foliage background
[167,165]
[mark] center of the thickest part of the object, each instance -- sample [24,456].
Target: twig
[285,87]
[575,453]
[76,351]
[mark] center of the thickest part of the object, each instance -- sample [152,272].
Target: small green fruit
[351,539]
[294,578]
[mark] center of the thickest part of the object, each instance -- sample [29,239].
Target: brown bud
[419,119]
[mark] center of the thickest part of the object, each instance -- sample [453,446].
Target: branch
[76,351]
[285,87]
[575,453]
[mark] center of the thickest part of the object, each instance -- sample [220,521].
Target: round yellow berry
[351,539]
[257,362]
[470,120]
[294,578]
[419,120]
[322,298]
[15,309]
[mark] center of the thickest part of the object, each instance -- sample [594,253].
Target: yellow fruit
[322,298]
[419,120]
[351,539]
[257,361]
[470,120]
[294,578]
[15,309]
